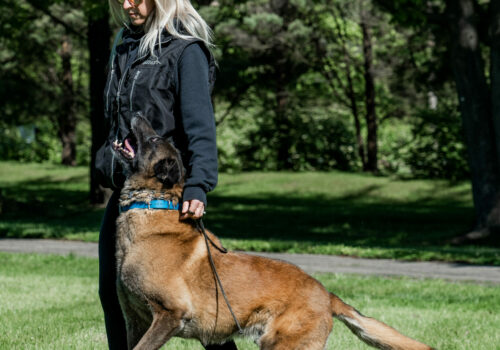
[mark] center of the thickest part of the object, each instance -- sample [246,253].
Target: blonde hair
[169,15]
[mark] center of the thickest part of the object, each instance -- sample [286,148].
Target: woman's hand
[192,209]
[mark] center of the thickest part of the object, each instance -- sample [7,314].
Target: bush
[438,149]
[429,145]
[30,143]
[320,139]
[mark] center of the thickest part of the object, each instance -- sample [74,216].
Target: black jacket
[169,91]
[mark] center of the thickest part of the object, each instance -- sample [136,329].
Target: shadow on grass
[347,220]
[50,208]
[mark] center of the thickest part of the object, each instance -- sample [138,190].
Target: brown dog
[167,287]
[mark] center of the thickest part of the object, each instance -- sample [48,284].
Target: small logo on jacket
[151,62]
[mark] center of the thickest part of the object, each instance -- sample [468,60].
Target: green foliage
[31,90]
[395,143]
[314,46]
[429,145]
[438,148]
[409,11]
[282,83]
[30,143]
[319,135]
[83,142]
[39,142]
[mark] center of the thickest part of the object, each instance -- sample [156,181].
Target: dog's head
[147,156]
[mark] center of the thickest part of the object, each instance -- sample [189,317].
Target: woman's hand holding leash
[192,209]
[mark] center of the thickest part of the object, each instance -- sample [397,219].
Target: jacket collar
[129,38]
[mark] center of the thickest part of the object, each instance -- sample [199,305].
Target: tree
[471,28]
[371,115]
[43,65]
[69,23]
[357,68]
[66,118]
[477,107]
[333,67]
[98,45]
[264,44]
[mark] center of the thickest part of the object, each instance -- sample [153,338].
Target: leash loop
[201,228]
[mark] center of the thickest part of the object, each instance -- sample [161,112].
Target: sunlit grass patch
[51,302]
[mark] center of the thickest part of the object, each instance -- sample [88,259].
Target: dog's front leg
[166,323]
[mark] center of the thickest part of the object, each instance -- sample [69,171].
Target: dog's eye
[155,139]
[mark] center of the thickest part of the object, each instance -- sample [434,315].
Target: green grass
[50,302]
[324,213]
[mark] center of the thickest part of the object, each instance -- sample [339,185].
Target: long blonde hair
[167,14]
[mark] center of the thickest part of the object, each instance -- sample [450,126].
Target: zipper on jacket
[113,162]
[120,83]
[109,88]
[132,89]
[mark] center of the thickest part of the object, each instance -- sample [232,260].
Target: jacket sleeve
[198,122]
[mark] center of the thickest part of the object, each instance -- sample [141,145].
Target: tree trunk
[354,109]
[67,116]
[98,43]
[282,127]
[495,70]
[476,109]
[282,81]
[339,36]
[371,117]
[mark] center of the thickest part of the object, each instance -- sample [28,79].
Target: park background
[366,128]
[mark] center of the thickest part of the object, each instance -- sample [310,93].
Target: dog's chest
[133,226]
[125,234]
[130,227]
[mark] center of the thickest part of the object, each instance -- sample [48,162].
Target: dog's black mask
[145,153]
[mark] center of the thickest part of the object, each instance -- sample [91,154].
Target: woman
[162,69]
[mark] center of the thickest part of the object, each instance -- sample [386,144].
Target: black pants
[113,318]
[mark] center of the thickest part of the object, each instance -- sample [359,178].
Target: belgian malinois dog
[167,286]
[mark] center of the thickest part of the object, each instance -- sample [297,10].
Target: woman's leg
[113,318]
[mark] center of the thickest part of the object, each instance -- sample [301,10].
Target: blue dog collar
[154,204]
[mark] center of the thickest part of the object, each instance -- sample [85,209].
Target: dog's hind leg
[297,331]
[166,323]
[295,343]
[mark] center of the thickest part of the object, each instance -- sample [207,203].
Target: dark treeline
[403,87]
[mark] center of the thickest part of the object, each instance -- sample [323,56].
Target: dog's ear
[168,171]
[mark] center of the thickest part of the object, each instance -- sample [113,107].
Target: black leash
[220,248]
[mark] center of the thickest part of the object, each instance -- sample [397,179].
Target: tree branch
[57,20]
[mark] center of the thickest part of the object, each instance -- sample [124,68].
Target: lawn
[324,213]
[50,302]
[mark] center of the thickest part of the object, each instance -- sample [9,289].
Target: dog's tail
[371,331]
